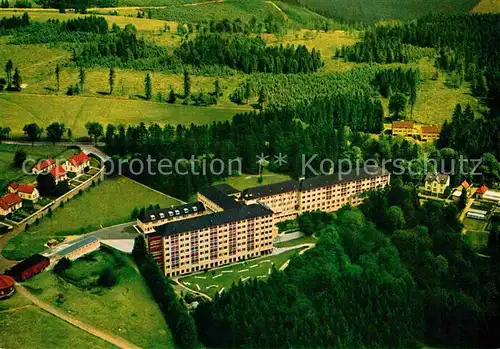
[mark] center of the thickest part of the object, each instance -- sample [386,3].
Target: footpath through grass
[126,309]
[221,279]
[109,203]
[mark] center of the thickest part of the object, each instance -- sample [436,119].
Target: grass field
[485,6]
[75,112]
[296,242]
[126,309]
[373,10]
[230,9]
[216,280]
[474,224]
[33,328]
[9,173]
[478,239]
[107,204]
[247,181]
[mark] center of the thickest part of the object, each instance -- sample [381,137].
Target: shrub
[108,278]
[63,265]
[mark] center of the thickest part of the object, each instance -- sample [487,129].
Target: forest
[390,274]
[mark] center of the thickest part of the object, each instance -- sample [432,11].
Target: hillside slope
[373,10]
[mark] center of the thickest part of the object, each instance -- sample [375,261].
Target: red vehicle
[28,267]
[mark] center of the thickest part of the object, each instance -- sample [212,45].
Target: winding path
[113,339]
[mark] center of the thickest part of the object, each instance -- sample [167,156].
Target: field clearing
[325,42]
[215,280]
[487,6]
[248,181]
[75,112]
[126,309]
[33,328]
[107,204]
[472,224]
[9,173]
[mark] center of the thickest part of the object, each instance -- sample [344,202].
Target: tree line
[248,54]
[176,315]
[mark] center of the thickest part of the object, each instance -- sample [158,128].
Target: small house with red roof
[481,191]
[59,174]
[25,191]
[43,166]
[9,203]
[77,163]
[6,286]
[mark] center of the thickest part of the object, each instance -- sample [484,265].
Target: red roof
[431,129]
[58,172]
[9,200]
[23,188]
[6,282]
[78,159]
[482,189]
[465,184]
[402,124]
[42,165]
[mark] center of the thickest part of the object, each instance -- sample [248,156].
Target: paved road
[113,339]
[87,148]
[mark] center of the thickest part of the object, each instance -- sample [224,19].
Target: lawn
[296,242]
[218,279]
[33,328]
[126,309]
[478,239]
[245,181]
[109,203]
[75,112]
[472,224]
[487,6]
[9,173]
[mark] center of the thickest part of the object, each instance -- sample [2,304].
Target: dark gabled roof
[337,178]
[26,264]
[154,215]
[79,244]
[436,177]
[217,195]
[270,189]
[211,220]
[226,189]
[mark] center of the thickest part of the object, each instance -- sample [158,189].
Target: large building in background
[226,225]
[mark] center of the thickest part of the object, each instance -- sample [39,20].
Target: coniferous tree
[187,84]
[148,86]
[112,77]
[82,78]
[9,66]
[171,96]
[58,76]
[17,80]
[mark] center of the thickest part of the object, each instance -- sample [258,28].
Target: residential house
[481,191]
[436,183]
[59,174]
[403,128]
[43,166]
[25,191]
[9,203]
[77,163]
[429,133]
